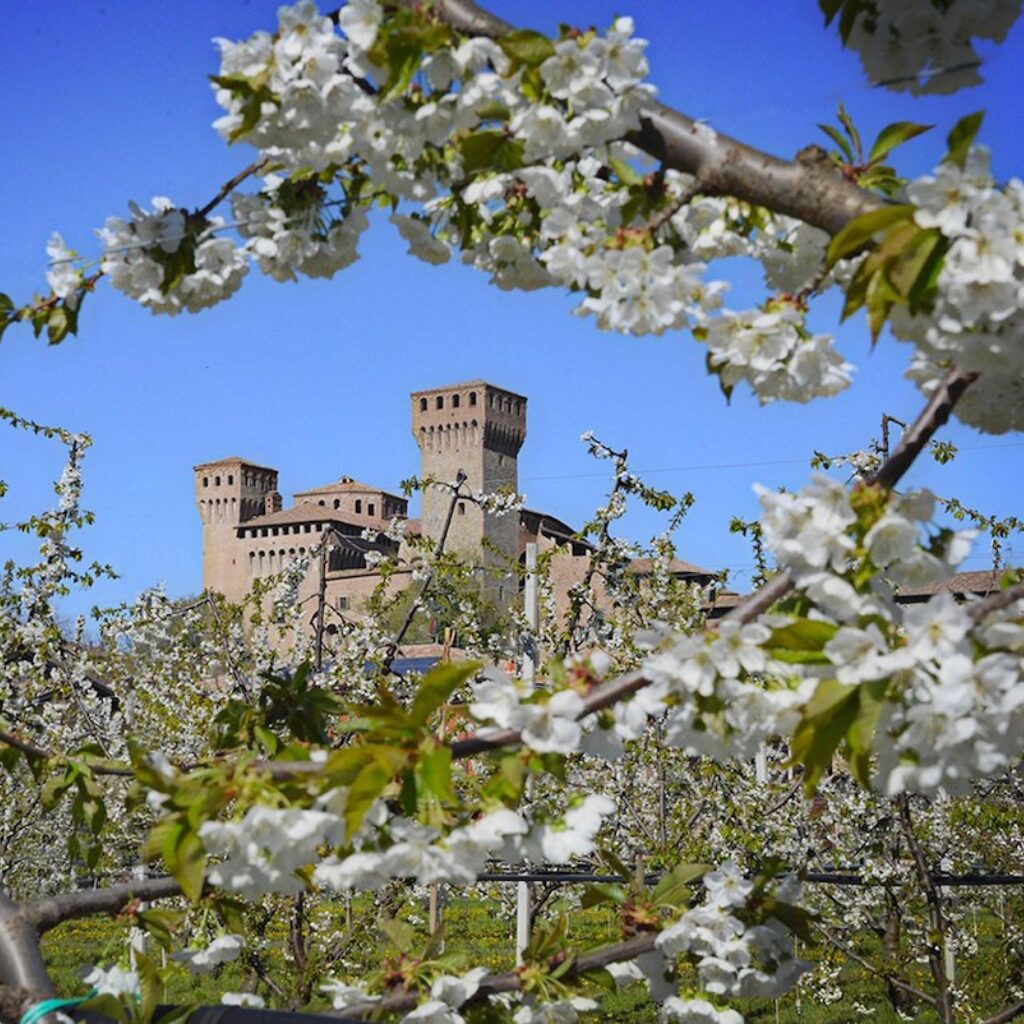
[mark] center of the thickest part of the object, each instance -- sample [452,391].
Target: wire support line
[737,465]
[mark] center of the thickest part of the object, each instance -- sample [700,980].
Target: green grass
[482,932]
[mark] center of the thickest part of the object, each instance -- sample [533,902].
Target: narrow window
[359,507]
[342,603]
[337,503]
[231,479]
[455,401]
[423,405]
[462,508]
[439,402]
[206,481]
[371,509]
[216,481]
[472,398]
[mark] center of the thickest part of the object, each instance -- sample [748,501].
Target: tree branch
[511,982]
[807,188]
[48,913]
[868,966]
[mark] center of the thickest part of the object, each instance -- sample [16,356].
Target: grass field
[482,930]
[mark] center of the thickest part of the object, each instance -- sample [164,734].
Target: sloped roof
[980,582]
[346,485]
[643,566]
[234,460]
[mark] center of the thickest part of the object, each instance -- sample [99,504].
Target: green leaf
[435,774]
[893,135]
[105,1006]
[828,715]
[673,889]
[796,919]
[601,893]
[839,139]
[490,150]
[802,634]
[851,129]
[624,172]
[437,686]
[863,229]
[524,46]
[150,985]
[401,934]
[962,136]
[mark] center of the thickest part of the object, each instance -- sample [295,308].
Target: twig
[229,186]
[392,649]
[511,982]
[868,966]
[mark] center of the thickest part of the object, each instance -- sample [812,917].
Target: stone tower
[476,428]
[228,492]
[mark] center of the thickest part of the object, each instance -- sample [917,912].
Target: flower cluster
[977,320]
[263,851]
[732,957]
[168,265]
[773,352]
[286,239]
[222,950]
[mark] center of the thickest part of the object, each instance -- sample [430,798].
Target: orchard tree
[546,162]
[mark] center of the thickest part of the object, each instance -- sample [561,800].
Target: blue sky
[110,102]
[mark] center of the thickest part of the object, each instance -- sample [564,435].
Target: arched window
[320,502]
[206,481]
[216,481]
[231,479]
[423,405]
[337,503]
[472,398]
[455,401]
[439,402]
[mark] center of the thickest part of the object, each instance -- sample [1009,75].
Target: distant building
[475,429]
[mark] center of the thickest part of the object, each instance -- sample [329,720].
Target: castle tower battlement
[229,492]
[478,429]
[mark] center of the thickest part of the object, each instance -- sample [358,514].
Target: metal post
[761,763]
[137,936]
[532,611]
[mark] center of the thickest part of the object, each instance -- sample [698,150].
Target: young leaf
[525,46]
[437,686]
[962,136]
[894,135]
[863,229]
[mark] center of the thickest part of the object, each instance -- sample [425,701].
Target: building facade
[473,430]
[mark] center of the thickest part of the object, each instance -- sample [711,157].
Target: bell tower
[476,428]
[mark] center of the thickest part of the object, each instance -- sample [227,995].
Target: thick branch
[996,602]
[21,962]
[934,415]
[807,188]
[48,913]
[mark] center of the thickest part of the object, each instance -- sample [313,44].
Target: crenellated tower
[230,492]
[476,428]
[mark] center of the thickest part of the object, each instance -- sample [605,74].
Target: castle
[474,429]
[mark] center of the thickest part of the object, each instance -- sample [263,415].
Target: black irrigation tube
[227,1015]
[813,877]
